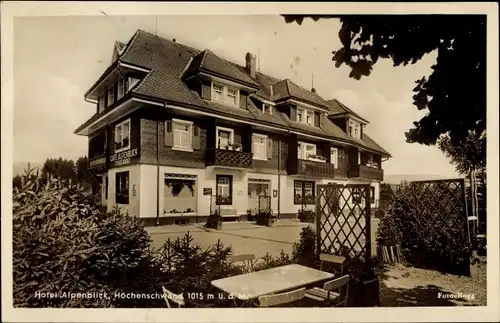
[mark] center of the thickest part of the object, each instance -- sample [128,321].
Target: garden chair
[168,295]
[282,298]
[247,261]
[338,261]
[326,294]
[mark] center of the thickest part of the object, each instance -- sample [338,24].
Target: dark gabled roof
[373,145]
[168,61]
[206,61]
[286,89]
[338,108]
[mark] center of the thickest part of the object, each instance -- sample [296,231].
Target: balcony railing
[366,172]
[228,158]
[314,168]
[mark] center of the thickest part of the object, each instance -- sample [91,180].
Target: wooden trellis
[343,219]
[265,204]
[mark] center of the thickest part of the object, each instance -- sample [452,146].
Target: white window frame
[268,106]
[335,162]
[311,121]
[304,113]
[121,89]
[225,94]
[354,129]
[259,136]
[119,126]
[189,134]
[231,136]
[111,95]
[102,101]
[304,150]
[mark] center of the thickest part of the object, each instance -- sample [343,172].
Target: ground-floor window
[224,189]
[256,188]
[122,187]
[180,193]
[304,192]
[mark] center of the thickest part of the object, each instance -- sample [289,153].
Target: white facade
[145,182]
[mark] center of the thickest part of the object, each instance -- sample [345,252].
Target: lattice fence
[343,219]
[265,204]
[440,212]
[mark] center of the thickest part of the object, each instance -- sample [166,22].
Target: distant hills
[398,178]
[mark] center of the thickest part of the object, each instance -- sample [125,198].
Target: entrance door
[256,188]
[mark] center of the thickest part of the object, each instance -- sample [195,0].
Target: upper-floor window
[225,138]
[354,129]
[306,150]
[226,94]
[121,89]
[122,135]
[101,104]
[305,116]
[259,146]
[334,157]
[183,134]
[266,108]
[111,95]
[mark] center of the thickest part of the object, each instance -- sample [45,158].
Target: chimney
[313,90]
[251,64]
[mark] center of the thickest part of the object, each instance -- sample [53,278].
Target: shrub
[304,252]
[62,243]
[306,215]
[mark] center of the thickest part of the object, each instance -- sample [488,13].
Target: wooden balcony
[228,158]
[313,168]
[98,163]
[365,172]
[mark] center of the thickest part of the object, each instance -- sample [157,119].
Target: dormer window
[111,95]
[266,108]
[310,118]
[121,89]
[354,129]
[305,116]
[101,104]
[300,115]
[225,94]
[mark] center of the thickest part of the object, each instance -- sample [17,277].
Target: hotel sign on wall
[123,157]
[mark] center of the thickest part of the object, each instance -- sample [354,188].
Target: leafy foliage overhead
[470,155]
[454,93]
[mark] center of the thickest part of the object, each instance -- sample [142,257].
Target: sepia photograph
[296,160]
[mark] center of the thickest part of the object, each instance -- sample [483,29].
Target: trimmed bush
[306,216]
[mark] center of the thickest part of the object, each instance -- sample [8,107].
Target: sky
[57,59]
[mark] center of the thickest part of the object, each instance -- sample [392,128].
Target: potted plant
[264,218]
[125,142]
[249,215]
[306,216]
[237,147]
[214,221]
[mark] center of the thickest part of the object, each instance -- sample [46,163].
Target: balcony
[228,158]
[98,162]
[313,168]
[366,172]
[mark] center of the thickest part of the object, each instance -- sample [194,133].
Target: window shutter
[293,113]
[316,119]
[269,148]
[169,136]
[196,137]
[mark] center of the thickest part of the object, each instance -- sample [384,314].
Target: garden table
[248,287]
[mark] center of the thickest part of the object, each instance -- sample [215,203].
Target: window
[179,195]
[224,189]
[122,185]
[102,103]
[225,94]
[225,137]
[334,157]
[372,194]
[259,146]
[359,158]
[300,115]
[304,192]
[267,109]
[354,129]
[111,95]
[183,134]
[310,118]
[232,96]
[121,89]
[132,81]
[122,135]
[217,93]
[305,150]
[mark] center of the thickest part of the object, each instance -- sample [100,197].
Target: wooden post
[368,223]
